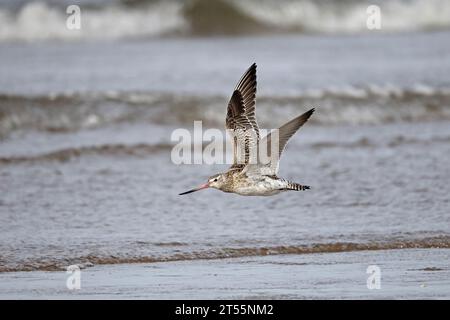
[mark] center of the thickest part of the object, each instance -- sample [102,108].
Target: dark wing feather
[241,120]
[285,132]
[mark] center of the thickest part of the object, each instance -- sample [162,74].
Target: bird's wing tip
[310,112]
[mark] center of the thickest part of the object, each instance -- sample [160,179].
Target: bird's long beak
[203,186]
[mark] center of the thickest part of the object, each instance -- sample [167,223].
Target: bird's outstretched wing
[241,120]
[284,133]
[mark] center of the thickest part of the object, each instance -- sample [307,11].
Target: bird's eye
[215,180]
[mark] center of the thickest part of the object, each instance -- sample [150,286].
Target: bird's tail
[295,186]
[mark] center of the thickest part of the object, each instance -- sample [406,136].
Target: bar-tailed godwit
[246,177]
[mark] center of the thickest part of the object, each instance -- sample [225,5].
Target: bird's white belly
[267,187]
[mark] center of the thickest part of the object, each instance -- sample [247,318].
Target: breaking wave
[83,111]
[44,20]
[54,264]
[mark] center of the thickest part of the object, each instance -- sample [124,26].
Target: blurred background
[86,118]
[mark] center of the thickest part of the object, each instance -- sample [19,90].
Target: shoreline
[436,242]
[404,274]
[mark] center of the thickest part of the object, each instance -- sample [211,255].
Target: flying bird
[246,177]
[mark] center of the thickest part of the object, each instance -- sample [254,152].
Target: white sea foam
[350,16]
[39,21]
[36,21]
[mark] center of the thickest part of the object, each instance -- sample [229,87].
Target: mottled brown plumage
[248,175]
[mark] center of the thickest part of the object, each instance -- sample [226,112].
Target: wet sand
[405,274]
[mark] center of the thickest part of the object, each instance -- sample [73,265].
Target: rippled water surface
[85,147]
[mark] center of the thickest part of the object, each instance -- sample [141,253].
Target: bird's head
[216,181]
